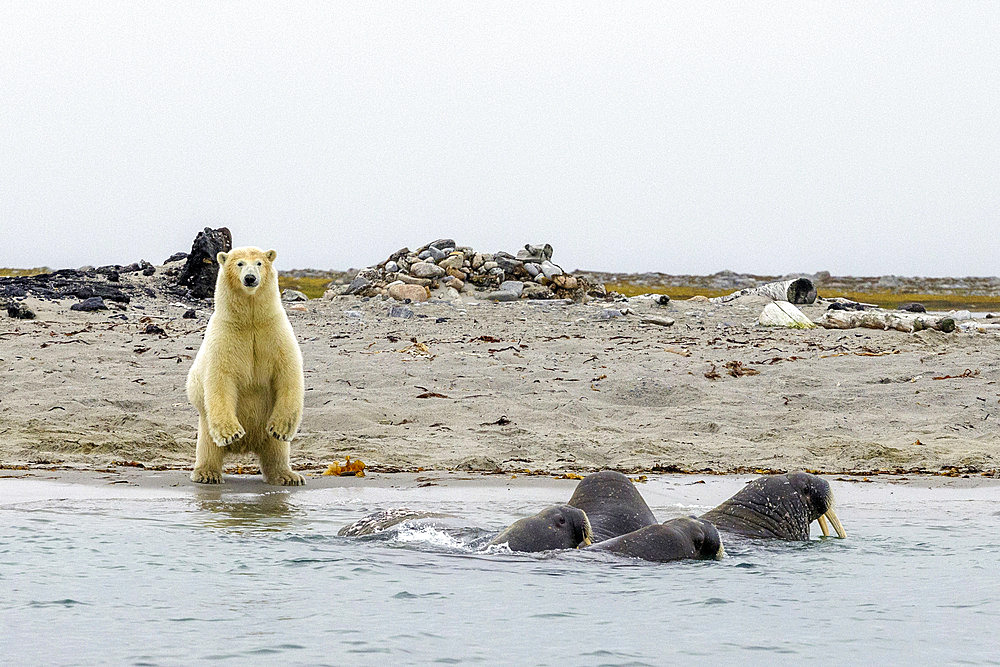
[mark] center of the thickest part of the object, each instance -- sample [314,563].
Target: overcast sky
[688,137]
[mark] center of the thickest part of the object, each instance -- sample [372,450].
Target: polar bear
[246,381]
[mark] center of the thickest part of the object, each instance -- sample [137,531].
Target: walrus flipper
[612,503]
[778,506]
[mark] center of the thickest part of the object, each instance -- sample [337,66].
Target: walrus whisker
[832,516]
[823,526]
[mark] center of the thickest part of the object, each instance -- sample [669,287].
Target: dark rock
[189,314]
[154,330]
[148,271]
[113,277]
[400,311]
[441,244]
[913,307]
[176,257]
[200,270]
[20,311]
[357,285]
[89,305]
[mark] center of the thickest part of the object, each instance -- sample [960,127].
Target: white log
[784,314]
[884,320]
[800,290]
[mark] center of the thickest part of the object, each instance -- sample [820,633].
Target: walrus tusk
[586,543]
[830,514]
[822,525]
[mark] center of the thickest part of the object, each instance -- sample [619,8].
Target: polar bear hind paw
[204,476]
[287,478]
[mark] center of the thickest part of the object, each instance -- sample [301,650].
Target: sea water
[195,575]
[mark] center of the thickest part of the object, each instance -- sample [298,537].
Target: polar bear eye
[239,263]
[260,263]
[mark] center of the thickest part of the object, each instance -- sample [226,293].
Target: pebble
[453,261]
[293,295]
[353,314]
[400,311]
[477,261]
[489,265]
[457,284]
[426,270]
[609,314]
[90,305]
[532,269]
[391,267]
[436,254]
[536,291]
[659,321]
[564,281]
[403,291]
[515,286]
[442,244]
[189,314]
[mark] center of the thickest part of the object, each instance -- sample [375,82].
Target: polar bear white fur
[246,381]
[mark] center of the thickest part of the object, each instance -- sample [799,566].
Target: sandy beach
[507,387]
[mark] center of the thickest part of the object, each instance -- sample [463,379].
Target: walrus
[612,504]
[778,506]
[556,527]
[676,539]
[384,520]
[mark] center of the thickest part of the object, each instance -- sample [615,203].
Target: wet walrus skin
[677,539]
[778,506]
[612,504]
[557,527]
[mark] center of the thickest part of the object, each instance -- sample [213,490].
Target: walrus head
[557,527]
[778,506]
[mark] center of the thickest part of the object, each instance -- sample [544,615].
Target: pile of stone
[443,265]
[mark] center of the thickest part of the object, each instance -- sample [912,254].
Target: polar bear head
[246,269]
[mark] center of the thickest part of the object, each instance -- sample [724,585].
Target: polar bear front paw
[282,428]
[206,476]
[226,434]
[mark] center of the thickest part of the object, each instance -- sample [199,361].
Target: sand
[508,387]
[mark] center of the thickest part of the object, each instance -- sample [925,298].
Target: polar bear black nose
[250,280]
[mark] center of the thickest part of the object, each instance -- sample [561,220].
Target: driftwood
[784,314]
[799,291]
[882,319]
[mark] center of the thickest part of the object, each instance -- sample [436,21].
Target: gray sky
[688,137]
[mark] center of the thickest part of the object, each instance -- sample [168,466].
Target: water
[180,576]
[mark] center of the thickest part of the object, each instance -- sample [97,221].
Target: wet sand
[508,387]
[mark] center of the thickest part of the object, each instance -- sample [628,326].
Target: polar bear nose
[250,280]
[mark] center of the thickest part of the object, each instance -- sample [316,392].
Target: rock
[477,261]
[154,330]
[410,280]
[564,281]
[609,314]
[536,291]
[20,311]
[515,286]
[441,244]
[532,269]
[550,270]
[189,314]
[452,261]
[426,270]
[699,298]
[404,291]
[90,305]
[149,270]
[535,253]
[200,270]
[501,295]
[457,273]
[391,267]
[400,311]
[658,321]
[489,266]
[176,257]
[913,307]
[358,284]
[663,300]
[478,464]
[456,284]
[433,253]
[509,265]
[293,295]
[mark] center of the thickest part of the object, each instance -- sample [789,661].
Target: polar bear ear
[221,258]
[270,254]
